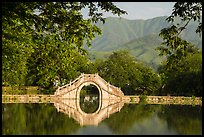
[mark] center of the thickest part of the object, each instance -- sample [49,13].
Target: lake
[115,119]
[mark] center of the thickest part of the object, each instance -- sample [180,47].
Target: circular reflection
[89,98]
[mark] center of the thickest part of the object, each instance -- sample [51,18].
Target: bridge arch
[106,90]
[110,99]
[78,97]
[108,107]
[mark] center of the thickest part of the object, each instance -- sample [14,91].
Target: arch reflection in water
[72,109]
[90,97]
[89,103]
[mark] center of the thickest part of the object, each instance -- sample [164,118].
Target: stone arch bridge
[111,99]
[106,90]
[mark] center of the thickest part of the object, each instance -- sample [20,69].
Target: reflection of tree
[89,106]
[13,119]
[184,119]
[89,98]
[38,119]
[44,119]
[122,122]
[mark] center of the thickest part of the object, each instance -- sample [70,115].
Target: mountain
[140,37]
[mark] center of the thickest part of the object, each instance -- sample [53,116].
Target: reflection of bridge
[71,107]
[106,91]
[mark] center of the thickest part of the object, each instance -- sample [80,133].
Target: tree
[16,48]
[186,77]
[187,11]
[178,50]
[27,26]
[63,18]
[175,47]
[49,63]
[133,77]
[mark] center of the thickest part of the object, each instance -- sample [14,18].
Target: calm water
[138,119]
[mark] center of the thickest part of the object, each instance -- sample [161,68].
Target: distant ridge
[139,36]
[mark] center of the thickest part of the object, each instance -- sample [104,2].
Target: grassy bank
[166,100]
[22,90]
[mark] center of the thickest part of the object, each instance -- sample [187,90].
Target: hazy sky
[143,10]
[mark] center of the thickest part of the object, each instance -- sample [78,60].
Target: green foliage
[186,76]
[50,62]
[193,98]
[133,77]
[174,46]
[44,40]
[143,99]
[16,48]
[187,11]
[182,71]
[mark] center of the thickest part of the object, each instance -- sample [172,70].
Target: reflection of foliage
[44,119]
[13,119]
[38,119]
[89,99]
[122,122]
[89,106]
[184,119]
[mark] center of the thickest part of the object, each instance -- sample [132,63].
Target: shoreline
[177,100]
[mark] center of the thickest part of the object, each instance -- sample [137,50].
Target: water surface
[137,119]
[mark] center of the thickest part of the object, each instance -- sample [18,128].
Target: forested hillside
[140,37]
